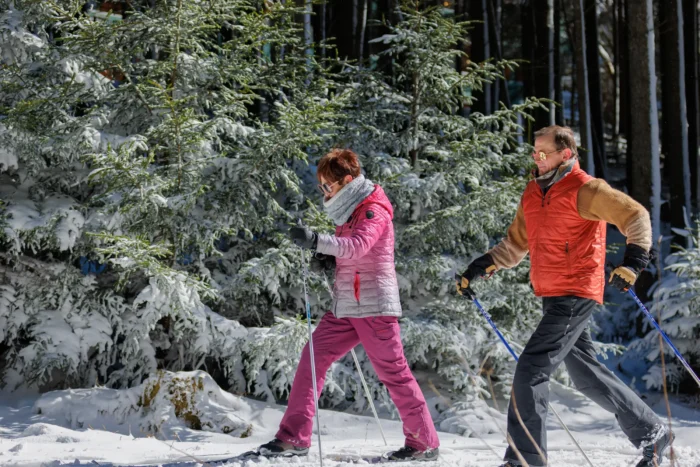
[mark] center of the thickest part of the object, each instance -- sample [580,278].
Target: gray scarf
[553,176]
[341,206]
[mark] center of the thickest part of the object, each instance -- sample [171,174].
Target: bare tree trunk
[542,73]
[363,28]
[480,51]
[643,164]
[570,28]
[559,117]
[527,20]
[674,118]
[624,64]
[616,78]
[550,61]
[323,28]
[501,85]
[594,89]
[354,25]
[583,90]
[690,23]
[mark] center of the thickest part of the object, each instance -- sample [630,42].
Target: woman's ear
[348,178]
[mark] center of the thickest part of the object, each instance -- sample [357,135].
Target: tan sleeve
[597,201]
[513,248]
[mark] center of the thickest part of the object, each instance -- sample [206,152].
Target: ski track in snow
[32,440]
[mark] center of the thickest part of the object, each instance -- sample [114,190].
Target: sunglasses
[541,155]
[325,188]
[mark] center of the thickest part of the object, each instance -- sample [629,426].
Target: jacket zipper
[357,286]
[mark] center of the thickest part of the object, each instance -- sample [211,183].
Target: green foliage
[176,146]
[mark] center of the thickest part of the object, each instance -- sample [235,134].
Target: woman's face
[334,187]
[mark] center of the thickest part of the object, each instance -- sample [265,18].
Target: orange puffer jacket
[567,252]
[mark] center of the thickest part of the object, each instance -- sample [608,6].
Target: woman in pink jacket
[366,307]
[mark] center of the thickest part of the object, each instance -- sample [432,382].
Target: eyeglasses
[541,155]
[325,188]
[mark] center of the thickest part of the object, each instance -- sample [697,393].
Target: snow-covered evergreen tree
[676,307]
[156,159]
[162,150]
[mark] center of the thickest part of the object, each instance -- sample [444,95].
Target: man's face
[547,156]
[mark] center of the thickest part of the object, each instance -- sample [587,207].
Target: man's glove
[481,266]
[625,275]
[304,237]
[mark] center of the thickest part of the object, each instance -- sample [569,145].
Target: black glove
[325,262]
[481,266]
[625,275]
[304,237]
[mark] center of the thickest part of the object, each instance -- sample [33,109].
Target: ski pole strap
[495,328]
[663,334]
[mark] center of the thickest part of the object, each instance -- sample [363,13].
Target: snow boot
[654,453]
[278,448]
[407,453]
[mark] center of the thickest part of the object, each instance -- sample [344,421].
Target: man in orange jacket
[561,222]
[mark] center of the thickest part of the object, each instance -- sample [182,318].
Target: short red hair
[338,163]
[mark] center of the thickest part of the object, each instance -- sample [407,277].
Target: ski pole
[305,273]
[663,334]
[369,397]
[472,296]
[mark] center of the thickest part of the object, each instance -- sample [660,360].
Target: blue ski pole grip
[663,334]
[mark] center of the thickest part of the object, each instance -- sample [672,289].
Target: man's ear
[567,154]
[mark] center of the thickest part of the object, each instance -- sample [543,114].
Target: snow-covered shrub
[161,404]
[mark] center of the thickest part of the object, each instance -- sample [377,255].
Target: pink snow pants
[381,338]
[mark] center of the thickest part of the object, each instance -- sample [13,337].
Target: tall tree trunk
[550,62]
[501,85]
[363,29]
[558,97]
[616,77]
[527,21]
[583,89]
[690,26]
[624,67]
[480,51]
[594,89]
[674,120]
[322,17]
[544,85]
[570,29]
[355,27]
[643,165]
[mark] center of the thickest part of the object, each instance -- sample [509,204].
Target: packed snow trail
[37,440]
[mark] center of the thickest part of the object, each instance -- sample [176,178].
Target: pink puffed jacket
[365,275]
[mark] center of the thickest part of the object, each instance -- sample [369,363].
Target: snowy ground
[47,439]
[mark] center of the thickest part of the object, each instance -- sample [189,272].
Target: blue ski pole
[663,334]
[495,329]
